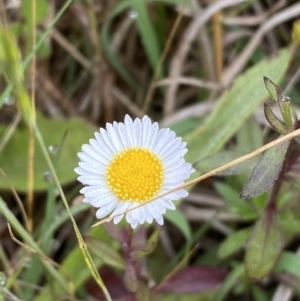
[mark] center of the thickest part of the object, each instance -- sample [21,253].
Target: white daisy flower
[129,164]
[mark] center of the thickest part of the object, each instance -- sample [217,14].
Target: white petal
[160,140]
[159,207]
[168,203]
[84,157]
[178,154]
[130,130]
[89,150]
[123,135]
[95,192]
[89,168]
[108,140]
[90,180]
[143,214]
[105,149]
[172,146]
[114,135]
[103,199]
[166,139]
[149,215]
[176,195]
[160,220]
[146,131]
[133,224]
[137,132]
[105,210]
[121,208]
[152,135]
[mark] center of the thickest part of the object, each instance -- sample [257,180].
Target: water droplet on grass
[132,14]
[48,176]
[2,279]
[53,149]
[9,101]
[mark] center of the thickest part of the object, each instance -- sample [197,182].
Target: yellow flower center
[135,174]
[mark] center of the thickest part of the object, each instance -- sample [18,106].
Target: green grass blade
[234,106]
[26,237]
[147,32]
[109,52]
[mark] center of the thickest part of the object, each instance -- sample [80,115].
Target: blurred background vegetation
[68,67]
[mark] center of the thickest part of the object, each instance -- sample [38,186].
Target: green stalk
[87,257]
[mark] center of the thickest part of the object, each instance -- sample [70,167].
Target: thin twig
[189,81]
[240,61]
[184,46]
[254,20]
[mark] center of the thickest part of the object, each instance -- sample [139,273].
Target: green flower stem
[87,257]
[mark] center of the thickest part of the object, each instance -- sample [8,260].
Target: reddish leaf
[193,279]
[113,283]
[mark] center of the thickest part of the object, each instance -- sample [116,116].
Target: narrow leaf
[216,160]
[264,247]
[233,243]
[289,262]
[229,282]
[147,32]
[111,56]
[105,252]
[179,220]
[234,106]
[266,171]
[194,279]
[274,121]
[274,91]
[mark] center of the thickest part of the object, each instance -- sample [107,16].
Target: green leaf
[273,89]
[223,157]
[179,220]
[231,197]
[147,32]
[105,252]
[233,243]
[266,171]
[13,159]
[229,283]
[234,106]
[249,137]
[274,121]
[264,246]
[288,262]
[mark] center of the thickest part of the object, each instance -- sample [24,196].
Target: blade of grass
[147,32]
[39,43]
[10,217]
